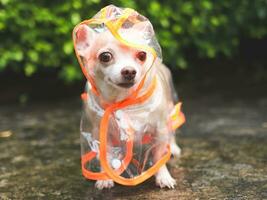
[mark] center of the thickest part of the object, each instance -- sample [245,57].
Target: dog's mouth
[126,85]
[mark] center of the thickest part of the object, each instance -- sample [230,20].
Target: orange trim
[88,77]
[88,174]
[102,175]
[179,122]
[84,96]
[177,118]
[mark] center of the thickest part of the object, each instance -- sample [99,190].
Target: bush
[36,35]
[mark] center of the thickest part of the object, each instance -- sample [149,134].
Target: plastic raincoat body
[127,141]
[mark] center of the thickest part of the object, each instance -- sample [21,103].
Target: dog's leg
[102,184]
[175,149]
[164,179]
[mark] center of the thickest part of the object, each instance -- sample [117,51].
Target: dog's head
[111,62]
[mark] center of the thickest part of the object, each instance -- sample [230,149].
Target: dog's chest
[134,117]
[138,116]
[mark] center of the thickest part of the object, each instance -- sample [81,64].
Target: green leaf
[181,63]
[17,55]
[70,73]
[77,4]
[154,7]
[5,2]
[75,18]
[177,29]
[215,21]
[206,4]
[33,55]
[196,21]
[164,22]
[68,47]
[29,69]
[187,8]
[95,1]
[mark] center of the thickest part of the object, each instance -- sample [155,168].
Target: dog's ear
[84,36]
[145,27]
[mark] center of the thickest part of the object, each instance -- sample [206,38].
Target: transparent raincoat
[123,144]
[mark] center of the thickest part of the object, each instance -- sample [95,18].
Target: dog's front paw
[102,184]
[164,179]
[167,181]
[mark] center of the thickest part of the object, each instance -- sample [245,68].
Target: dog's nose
[128,73]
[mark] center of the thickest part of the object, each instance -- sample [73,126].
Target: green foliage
[36,35]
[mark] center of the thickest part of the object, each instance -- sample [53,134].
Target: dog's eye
[141,56]
[105,57]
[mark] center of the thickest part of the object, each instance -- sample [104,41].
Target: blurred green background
[36,35]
